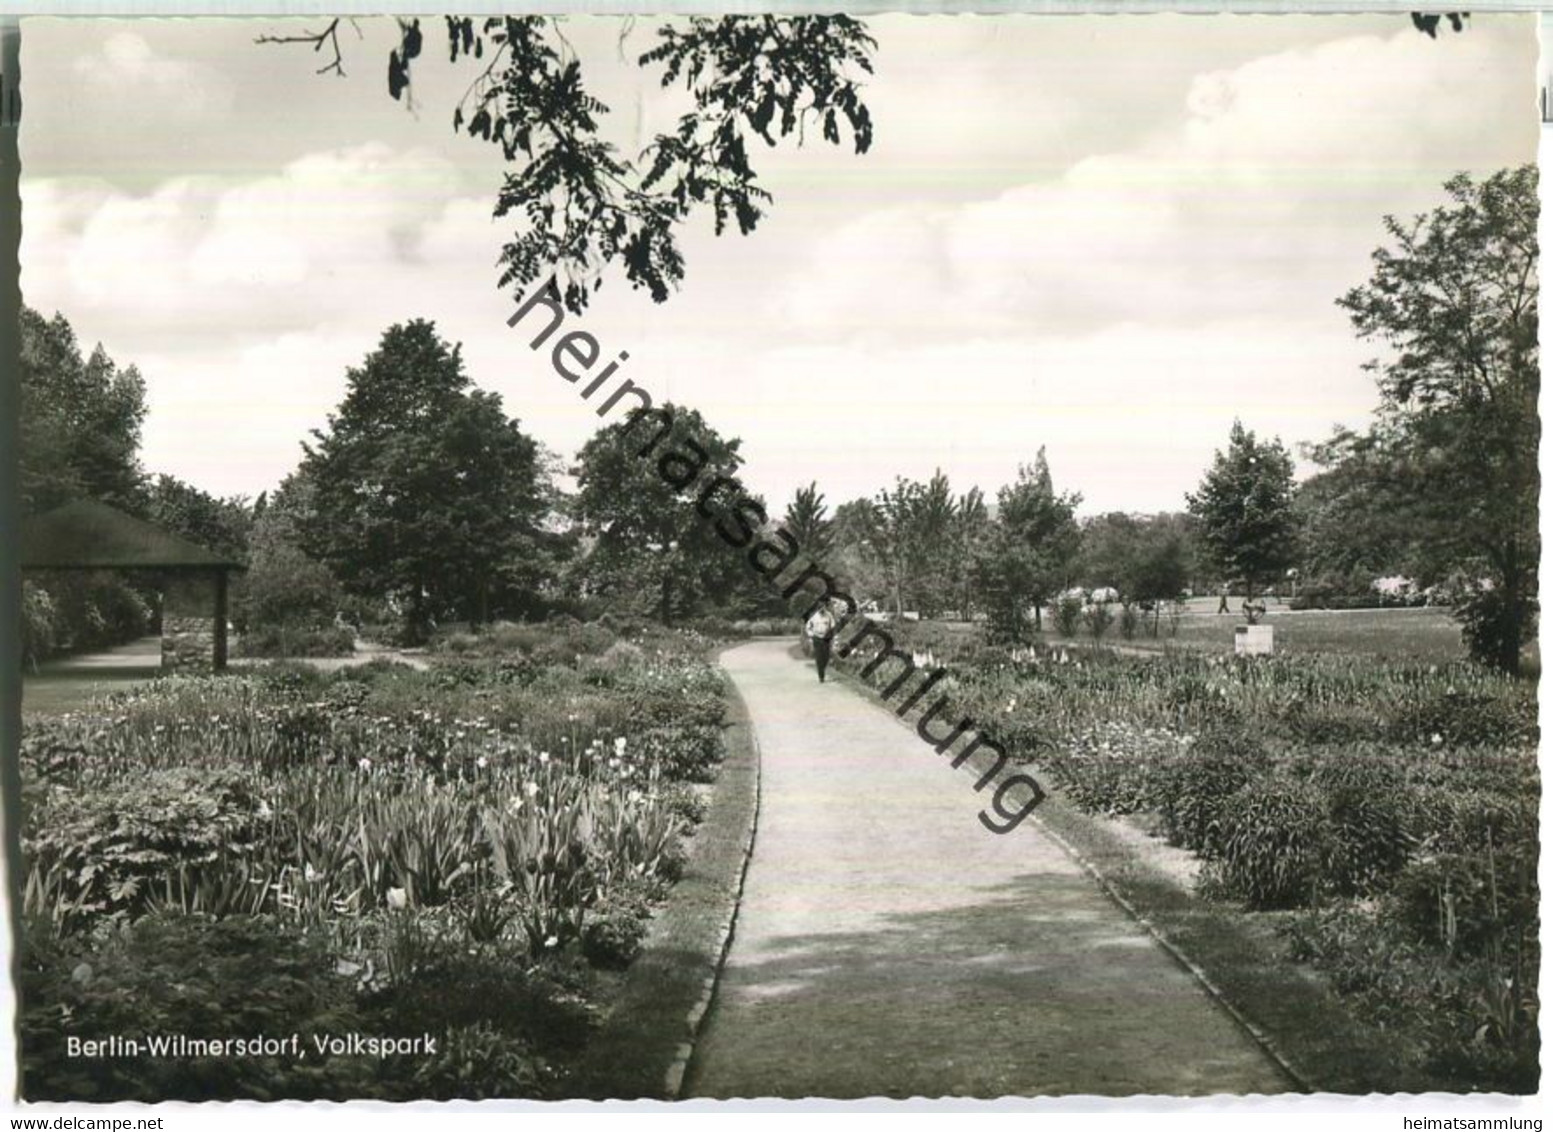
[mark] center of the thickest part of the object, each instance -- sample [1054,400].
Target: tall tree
[423,489]
[893,537]
[284,585]
[806,520]
[647,546]
[80,421]
[1454,444]
[853,542]
[933,585]
[972,527]
[1245,510]
[1034,540]
[222,525]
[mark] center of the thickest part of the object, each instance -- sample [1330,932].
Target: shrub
[475,1063]
[490,987]
[1460,716]
[1490,626]
[1097,618]
[684,752]
[292,641]
[149,840]
[1319,723]
[1370,805]
[1066,614]
[621,654]
[1192,789]
[184,975]
[91,610]
[1462,904]
[1276,843]
[38,615]
[614,928]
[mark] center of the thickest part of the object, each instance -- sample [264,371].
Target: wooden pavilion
[88,535]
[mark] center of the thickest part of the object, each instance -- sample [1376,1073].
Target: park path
[888,945]
[71,682]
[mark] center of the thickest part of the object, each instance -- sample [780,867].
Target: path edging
[979,763]
[643,1049]
[695,1021]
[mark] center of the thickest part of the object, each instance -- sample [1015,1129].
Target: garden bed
[1377,820]
[472,854]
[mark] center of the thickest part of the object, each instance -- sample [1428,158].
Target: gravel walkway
[888,945]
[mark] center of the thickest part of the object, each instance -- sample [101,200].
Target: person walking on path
[820,627]
[1224,597]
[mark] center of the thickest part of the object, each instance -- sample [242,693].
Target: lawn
[1400,634]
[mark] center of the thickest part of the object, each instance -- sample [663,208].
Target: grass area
[71,683]
[1423,634]
[1429,635]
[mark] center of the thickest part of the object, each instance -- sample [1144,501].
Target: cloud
[244,303]
[200,252]
[1264,194]
[126,70]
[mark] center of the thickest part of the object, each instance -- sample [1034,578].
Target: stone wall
[188,643]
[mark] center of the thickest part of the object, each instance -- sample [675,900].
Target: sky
[1107,236]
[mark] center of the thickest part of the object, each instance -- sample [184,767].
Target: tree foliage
[423,490]
[1245,510]
[284,586]
[1145,558]
[646,543]
[80,421]
[1032,546]
[221,525]
[581,205]
[806,520]
[1452,454]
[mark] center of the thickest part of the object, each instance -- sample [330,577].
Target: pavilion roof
[89,535]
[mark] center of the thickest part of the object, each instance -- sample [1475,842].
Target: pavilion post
[220,634]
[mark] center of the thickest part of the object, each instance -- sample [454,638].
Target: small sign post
[1253,640]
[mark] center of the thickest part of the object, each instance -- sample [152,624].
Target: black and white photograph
[782,556]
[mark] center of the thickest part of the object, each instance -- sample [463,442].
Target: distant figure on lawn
[820,627]
[1224,597]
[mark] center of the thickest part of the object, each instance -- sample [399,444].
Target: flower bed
[465,851]
[1388,810]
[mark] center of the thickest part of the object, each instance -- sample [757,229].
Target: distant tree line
[422,501]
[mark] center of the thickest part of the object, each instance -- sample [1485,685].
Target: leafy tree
[853,542]
[807,522]
[1453,450]
[904,541]
[647,543]
[971,528]
[423,490]
[1034,541]
[221,525]
[284,585]
[934,584]
[80,421]
[1159,570]
[583,206]
[1245,508]
[1350,532]
[1108,547]
[1146,558]
[892,537]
